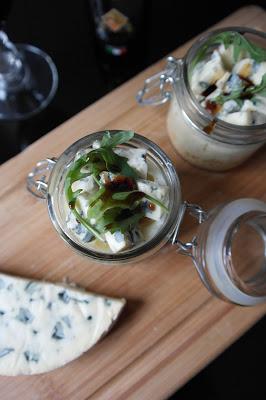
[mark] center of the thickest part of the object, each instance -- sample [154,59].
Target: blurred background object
[96,45]
[28,80]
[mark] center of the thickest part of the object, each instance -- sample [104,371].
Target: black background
[66,31]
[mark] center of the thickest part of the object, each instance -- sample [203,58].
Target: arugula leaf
[113,140]
[108,218]
[126,195]
[73,175]
[156,201]
[128,223]
[239,42]
[138,194]
[105,159]
[85,223]
[95,196]
[221,38]
[240,94]
[234,95]
[259,89]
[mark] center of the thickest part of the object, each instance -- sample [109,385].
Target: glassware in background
[28,80]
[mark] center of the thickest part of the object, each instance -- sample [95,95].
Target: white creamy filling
[202,150]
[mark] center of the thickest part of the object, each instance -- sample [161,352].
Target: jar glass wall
[198,136]
[57,207]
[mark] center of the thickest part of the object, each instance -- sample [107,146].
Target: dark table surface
[66,31]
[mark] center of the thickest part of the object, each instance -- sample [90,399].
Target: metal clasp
[197,212]
[159,80]
[37,179]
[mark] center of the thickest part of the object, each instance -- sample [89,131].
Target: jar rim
[243,130]
[165,231]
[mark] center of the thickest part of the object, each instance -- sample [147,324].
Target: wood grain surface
[171,327]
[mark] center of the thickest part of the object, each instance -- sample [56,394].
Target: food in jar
[43,326]
[228,78]
[116,198]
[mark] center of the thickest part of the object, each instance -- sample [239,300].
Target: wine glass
[28,80]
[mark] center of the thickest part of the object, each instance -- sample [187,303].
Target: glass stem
[12,69]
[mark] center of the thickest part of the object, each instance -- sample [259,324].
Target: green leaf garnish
[255,52]
[259,89]
[221,38]
[139,194]
[73,175]
[240,94]
[128,223]
[112,140]
[87,225]
[222,98]
[105,159]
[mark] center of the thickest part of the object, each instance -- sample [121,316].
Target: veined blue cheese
[118,241]
[83,234]
[157,191]
[136,159]
[207,72]
[43,326]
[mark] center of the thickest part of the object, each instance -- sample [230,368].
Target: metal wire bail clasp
[197,212]
[159,81]
[37,179]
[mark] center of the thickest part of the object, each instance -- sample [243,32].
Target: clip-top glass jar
[226,145]
[212,249]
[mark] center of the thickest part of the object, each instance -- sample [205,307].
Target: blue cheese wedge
[43,326]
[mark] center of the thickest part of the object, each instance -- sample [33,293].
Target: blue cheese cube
[86,184]
[80,231]
[230,106]
[136,159]
[82,204]
[160,192]
[118,241]
[259,70]
[208,72]
[239,118]
[106,177]
[244,67]
[227,55]
[96,144]
[260,107]
[222,81]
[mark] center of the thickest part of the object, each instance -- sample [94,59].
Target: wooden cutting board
[171,327]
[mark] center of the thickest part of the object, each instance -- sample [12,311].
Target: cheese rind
[43,326]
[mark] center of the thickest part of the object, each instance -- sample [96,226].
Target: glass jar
[212,249]
[227,145]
